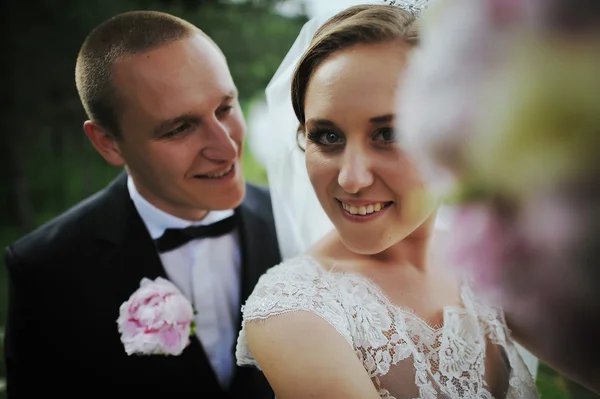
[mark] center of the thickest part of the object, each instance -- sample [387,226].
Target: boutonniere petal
[157,319]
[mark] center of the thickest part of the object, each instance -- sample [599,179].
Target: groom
[161,102]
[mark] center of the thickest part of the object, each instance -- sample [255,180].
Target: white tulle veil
[299,217]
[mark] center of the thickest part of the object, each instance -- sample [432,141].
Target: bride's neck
[412,251]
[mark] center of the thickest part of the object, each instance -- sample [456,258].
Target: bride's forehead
[364,65]
[352,92]
[367,53]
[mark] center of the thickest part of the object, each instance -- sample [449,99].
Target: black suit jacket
[67,280]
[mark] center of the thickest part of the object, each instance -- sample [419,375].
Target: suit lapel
[119,223]
[258,241]
[133,257]
[259,252]
[252,258]
[139,248]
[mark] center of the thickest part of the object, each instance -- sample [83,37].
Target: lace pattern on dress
[448,361]
[290,287]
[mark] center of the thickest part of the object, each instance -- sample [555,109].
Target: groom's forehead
[185,81]
[197,47]
[189,61]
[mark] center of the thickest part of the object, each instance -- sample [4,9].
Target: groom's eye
[225,109]
[177,131]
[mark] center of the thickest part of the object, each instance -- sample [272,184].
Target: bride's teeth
[363,210]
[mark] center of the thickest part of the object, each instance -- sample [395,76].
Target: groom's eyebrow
[231,95]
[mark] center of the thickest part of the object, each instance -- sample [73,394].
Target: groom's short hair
[128,33]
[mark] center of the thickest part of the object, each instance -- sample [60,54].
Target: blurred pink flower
[500,106]
[445,88]
[157,319]
[477,244]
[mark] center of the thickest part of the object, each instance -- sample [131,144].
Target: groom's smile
[221,174]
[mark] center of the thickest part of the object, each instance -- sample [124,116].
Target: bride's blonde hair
[362,24]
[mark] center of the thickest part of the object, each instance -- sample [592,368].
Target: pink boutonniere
[157,319]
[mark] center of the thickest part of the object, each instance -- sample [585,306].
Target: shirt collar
[157,221]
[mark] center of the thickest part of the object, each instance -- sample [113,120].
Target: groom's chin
[221,194]
[230,199]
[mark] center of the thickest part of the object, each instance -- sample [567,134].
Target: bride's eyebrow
[319,122]
[383,118]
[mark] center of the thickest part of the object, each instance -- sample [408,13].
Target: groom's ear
[104,142]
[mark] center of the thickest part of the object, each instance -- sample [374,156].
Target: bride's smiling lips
[363,210]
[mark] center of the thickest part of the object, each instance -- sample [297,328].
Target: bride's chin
[362,245]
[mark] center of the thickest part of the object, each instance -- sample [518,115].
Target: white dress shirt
[207,271]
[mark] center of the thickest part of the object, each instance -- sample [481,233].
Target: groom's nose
[218,144]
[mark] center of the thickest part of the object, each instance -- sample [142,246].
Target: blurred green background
[47,163]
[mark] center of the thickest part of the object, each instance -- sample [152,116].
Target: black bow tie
[175,238]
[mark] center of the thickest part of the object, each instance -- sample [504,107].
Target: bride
[368,311]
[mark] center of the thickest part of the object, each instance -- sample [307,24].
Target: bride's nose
[355,171]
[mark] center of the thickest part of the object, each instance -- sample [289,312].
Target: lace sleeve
[295,285]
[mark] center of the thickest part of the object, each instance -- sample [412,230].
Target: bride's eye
[386,135]
[325,137]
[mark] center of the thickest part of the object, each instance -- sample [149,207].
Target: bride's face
[367,185]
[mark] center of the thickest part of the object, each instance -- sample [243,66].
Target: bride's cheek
[317,164]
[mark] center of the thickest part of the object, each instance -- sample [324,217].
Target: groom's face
[182,127]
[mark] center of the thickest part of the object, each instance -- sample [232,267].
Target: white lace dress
[404,356]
